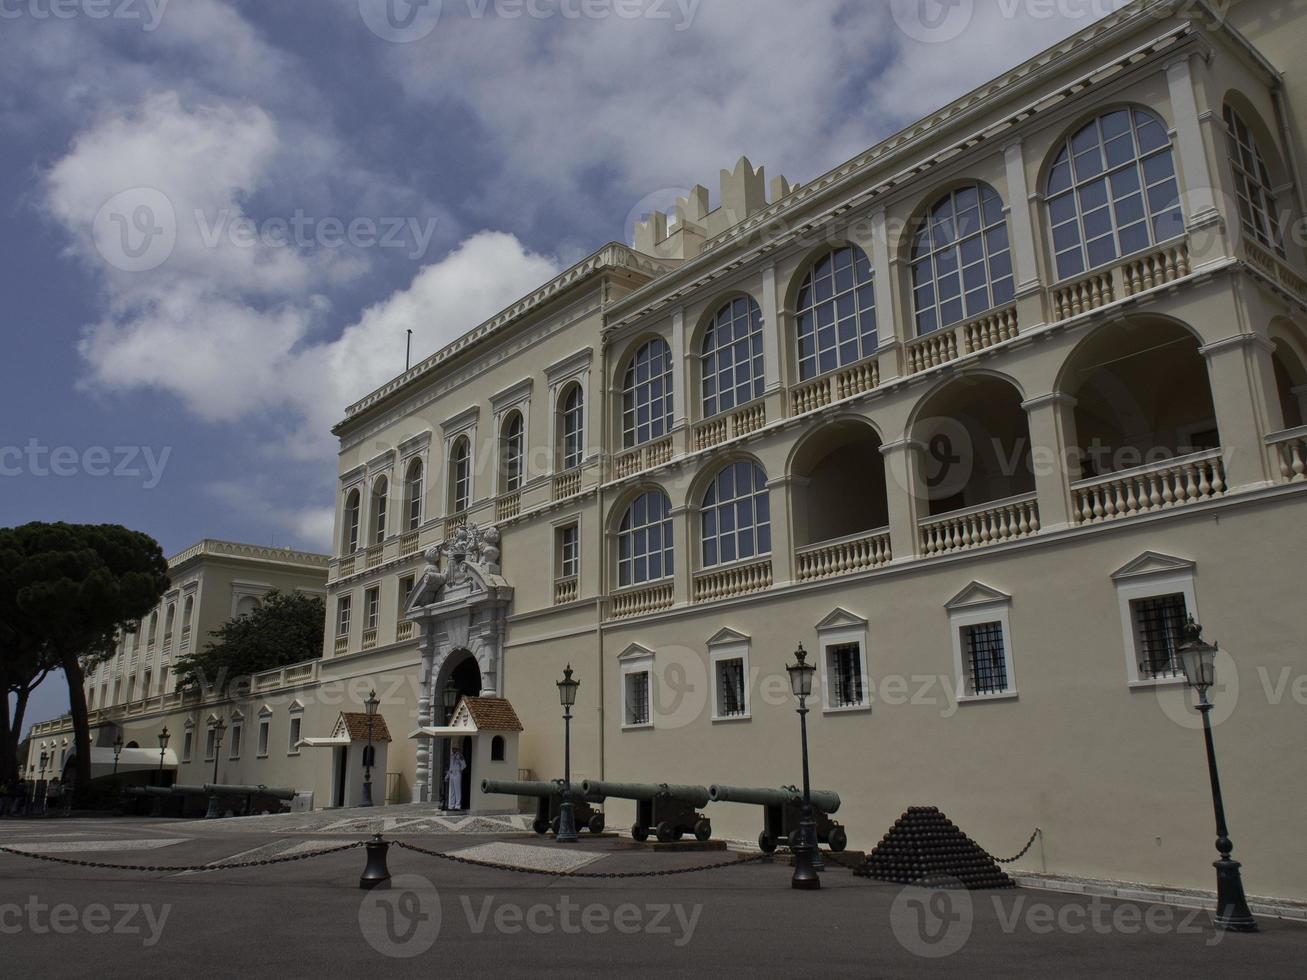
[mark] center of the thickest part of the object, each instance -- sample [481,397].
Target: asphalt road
[310,917]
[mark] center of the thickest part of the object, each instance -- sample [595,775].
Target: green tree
[286,629]
[66,593]
[22,669]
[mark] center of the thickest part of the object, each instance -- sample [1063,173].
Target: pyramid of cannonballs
[925,848]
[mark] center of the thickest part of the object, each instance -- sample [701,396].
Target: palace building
[979,418]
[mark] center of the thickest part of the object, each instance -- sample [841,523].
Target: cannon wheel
[639,833]
[837,839]
[666,832]
[553,826]
[703,830]
[596,824]
[541,827]
[766,843]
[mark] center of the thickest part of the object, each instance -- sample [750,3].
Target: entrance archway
[462,671]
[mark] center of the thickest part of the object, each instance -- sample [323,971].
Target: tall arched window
[413,495]
[510,454]
[647,394]
[961,262]
[572,427]
[644,542]
[736,515]
[1252,184]
[170,620]
[836,312]
[731,359]
[380,498]
[1112,190]
[349,539]
[460,475]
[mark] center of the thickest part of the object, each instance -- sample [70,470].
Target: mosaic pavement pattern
[391,820]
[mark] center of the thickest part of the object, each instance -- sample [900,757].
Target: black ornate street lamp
[117,751]
[370,706]
[449,700]
[567,697]
[805,874]
[1198,659]
[163,747]
[219,729]
[45,758]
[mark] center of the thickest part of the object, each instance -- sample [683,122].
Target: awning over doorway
[131,760]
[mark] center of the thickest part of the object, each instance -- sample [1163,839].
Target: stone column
[426,681]
[1197,184]
[782,529]
[1051,423]
[1242,378]
[683,555]
[679,373]
[904,487]
[771,331]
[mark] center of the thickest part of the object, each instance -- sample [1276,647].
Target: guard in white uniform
[454,780]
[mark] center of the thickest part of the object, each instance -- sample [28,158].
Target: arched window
[170,620]
[647,394]
[836,312]
[572,427]
[154,627]
[247,605]
[1252,184]
[497,749]
[961,262]
[510,454]
[736,515]
[350,525]
[731,358]
[380,497]
[187,609]
[413,494]
[644,542]
[460,475]
[1112,190]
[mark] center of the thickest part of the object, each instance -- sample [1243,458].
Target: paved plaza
[464,920]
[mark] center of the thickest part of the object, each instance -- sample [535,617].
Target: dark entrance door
[342,769]
[466,678]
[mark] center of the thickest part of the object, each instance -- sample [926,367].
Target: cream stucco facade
[981,503]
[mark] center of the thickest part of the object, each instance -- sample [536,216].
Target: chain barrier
[1021,853]
[187,867]
[664,872]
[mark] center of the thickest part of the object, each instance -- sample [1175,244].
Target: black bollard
[376,873]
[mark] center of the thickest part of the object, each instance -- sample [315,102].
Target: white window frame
[188,741]
[210,742]
[296,726]
[729,645]
[560,556]
[265,736]
[344,613]
[1148,577]
[980,615]
[838,629]
[234,740]
[636,660]
[372,607]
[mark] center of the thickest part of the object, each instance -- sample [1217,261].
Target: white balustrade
[843,556]
[992,523]
[1291,451]
[566,590]
[723,583]
[1144,489]
[640,600]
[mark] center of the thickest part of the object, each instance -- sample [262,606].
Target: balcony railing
[819,393]
[342,645]
[508,506]
[374,555]
[1144,489]
[731,426]
[370,638]
[1291,450]
[977,527]
[346,567]
[567,484]
[1264,261]
[967,337]
[453,523]
[739,579]
[640,600]
[843,556]
[404,631]
[1135,275]
[408,544]
[281,677]
[644,457]
[566,590]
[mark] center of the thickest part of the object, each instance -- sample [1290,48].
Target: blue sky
[219,218]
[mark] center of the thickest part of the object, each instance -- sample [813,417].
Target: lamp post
[117,751]
[219,729]
[567,697]
[1198,659]
[370,706]
[45,758]
[163,747]
[449,699]
[805,874]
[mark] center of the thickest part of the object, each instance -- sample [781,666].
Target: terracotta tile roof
[356,723]
[493,715]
